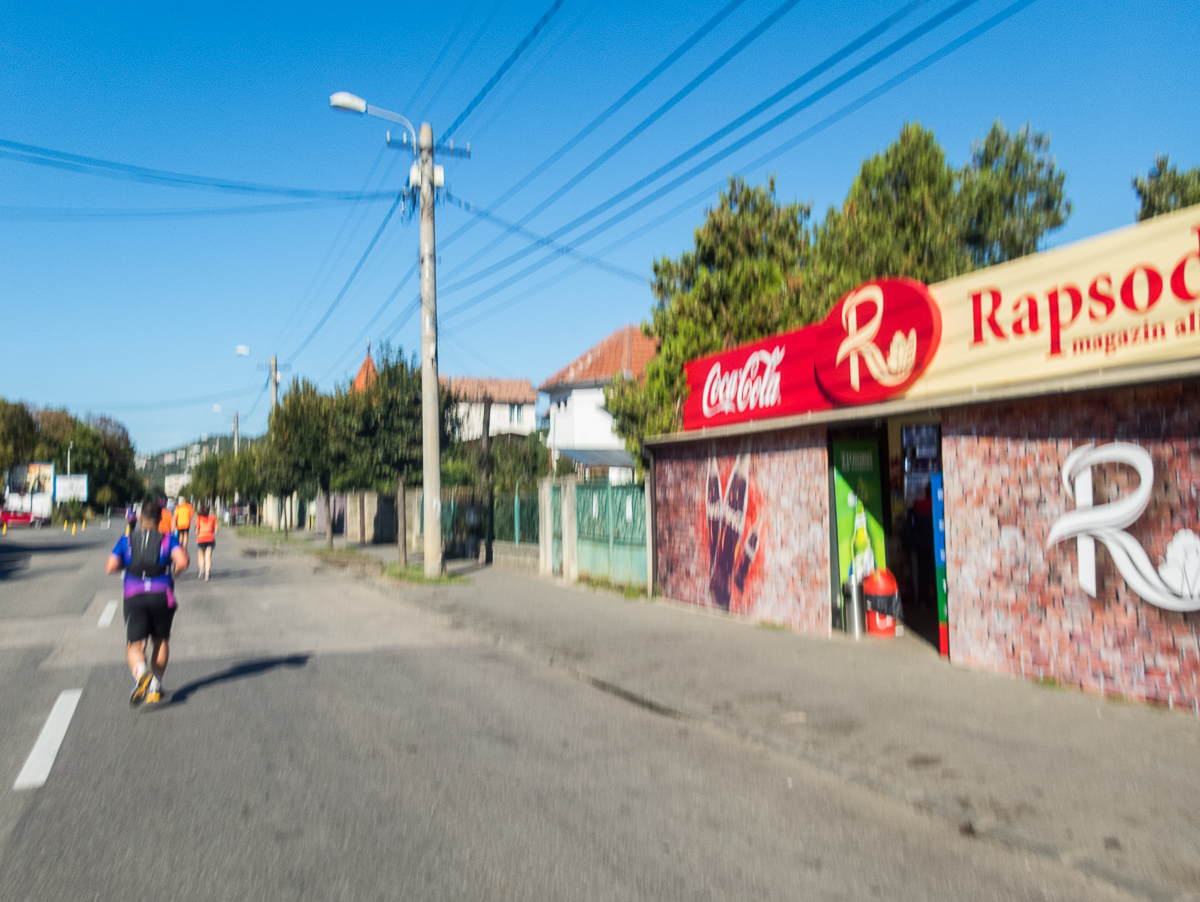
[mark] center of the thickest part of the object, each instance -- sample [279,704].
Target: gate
[611,537]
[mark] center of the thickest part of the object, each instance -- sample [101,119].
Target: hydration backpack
[145,548]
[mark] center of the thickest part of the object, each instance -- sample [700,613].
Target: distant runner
[183,521]
[166,522]
[206,538]
[145,556]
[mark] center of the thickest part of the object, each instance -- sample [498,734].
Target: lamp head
[344,100]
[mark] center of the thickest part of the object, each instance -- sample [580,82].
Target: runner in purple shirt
[146,556]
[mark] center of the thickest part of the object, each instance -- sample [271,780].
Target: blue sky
[125,315]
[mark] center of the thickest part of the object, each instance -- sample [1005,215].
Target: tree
[756,270]
[1165,188]
[303,428]
[18,434]
[1012,195]
[902,216]
[276,474]
[740,281]
[383,431]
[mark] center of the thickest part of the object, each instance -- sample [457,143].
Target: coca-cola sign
[877,341]
[770,378]
[754,386]
[840,361]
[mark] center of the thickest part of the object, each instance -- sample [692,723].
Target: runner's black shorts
[205,544]
[148,615]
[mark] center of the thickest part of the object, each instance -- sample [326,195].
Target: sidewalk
[1108,788]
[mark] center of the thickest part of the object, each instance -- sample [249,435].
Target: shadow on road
[237,672]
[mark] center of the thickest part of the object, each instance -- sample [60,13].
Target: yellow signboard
[1125,297]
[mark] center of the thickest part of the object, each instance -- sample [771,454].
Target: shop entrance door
[915,454]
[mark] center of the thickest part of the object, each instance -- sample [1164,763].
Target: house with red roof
[580,428]
[514,402]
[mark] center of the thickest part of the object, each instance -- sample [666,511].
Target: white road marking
[106,618]
[45,750]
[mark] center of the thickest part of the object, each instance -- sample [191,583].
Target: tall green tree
[18,434]
[303,428]
[1164,188]
[902,216]
[1012,195]
[756,268]
[740,281]
[383,431]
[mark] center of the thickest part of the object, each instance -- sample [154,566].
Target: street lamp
[425,176]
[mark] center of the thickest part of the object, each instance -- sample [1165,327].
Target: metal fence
[515,518]
[611,539]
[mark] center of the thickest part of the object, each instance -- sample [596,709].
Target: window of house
[514,413]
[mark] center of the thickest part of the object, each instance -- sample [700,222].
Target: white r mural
[1175,584]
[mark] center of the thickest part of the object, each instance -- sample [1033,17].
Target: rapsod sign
[1126,297]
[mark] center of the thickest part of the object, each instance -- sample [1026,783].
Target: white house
[513,404]
[580,428]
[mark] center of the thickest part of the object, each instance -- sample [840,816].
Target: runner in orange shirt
[206,538]
[183,521]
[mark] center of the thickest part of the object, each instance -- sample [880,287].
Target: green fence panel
[529,518]
[612,532]
[504,527]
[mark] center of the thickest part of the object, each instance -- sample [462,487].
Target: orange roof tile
[501,391]
[626,351]
[366,375]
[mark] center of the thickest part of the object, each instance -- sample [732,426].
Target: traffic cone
[83,526]
[64,525]
[72,529]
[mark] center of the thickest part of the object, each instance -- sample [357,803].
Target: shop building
[1020,446]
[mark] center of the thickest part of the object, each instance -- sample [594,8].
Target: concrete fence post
[546,526]
[570,531]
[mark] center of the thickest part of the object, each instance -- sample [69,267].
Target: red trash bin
[882,599]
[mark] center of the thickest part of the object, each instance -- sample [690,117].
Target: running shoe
[138,695]
[154,696]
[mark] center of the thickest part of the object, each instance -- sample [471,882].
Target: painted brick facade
[787,496]
[1015,605]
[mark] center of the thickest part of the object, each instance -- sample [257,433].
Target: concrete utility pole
[274,384]
[486,451]
[235,434]
[69,447]
[431,451]
[426,178]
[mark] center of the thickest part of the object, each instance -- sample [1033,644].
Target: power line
[715,66]
[777,151]
[611,110]
[378,313]
[43,156]
[442,53]
[466,52]
[707,142]
[174,402]
[111,214]
[350,279]
[563,249]
[502,223]
[477,131]
[504,67]
[307,295]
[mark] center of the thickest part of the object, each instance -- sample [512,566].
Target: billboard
[1122,298]
[71,488]
[31,479]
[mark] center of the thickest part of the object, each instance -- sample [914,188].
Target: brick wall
[1015,605]
[786,577]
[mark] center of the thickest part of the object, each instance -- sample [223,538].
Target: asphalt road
[326,740]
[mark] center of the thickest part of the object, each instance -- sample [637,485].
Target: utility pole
[69,447]
[274,384]
[430,433]
[426,177]
[235,434]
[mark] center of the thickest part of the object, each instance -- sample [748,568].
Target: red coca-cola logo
[877,341]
